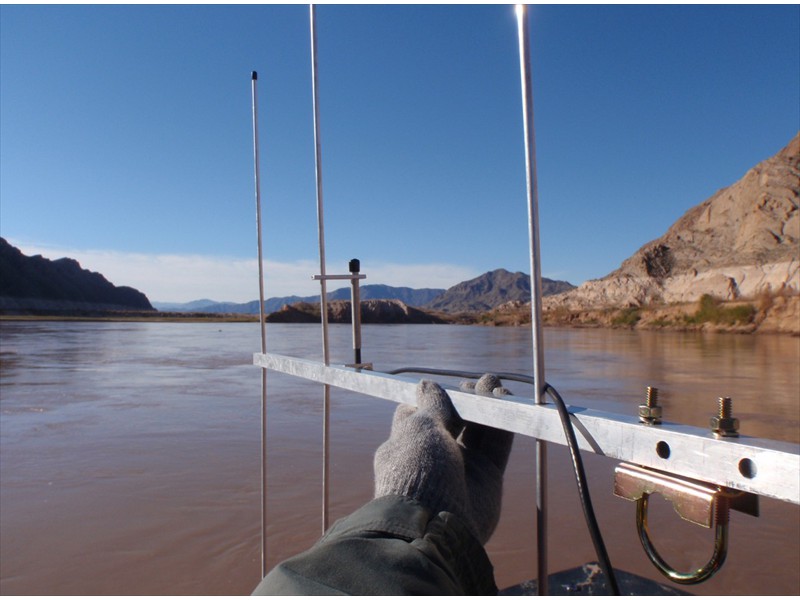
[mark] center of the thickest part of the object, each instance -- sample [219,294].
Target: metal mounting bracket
[698,502]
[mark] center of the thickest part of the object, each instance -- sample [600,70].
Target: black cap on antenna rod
[255,75]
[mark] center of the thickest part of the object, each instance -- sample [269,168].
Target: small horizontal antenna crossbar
[763,467]
[337,277]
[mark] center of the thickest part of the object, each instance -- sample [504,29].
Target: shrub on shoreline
[711,310]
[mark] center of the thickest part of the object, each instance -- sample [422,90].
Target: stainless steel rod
[322,272]
[256,161]
[536,288]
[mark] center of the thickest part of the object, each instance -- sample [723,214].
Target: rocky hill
[741,242]
[491,290]
[339,311]
[39,285]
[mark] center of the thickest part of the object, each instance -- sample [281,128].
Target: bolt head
[724,426]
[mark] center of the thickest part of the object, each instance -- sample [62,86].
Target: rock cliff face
[742,241]
[37,284]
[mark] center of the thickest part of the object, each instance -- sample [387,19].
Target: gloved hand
[443,462]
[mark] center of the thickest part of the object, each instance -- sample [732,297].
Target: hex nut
[724,426]
[649,413]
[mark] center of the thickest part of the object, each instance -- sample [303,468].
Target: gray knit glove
[443,462]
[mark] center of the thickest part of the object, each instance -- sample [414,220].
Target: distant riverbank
[767,314]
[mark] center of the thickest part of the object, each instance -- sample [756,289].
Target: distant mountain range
[482,293]
[409,296]
[37,284]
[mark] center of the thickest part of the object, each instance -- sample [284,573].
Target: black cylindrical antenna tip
[255,75]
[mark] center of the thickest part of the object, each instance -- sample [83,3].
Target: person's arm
[438,486]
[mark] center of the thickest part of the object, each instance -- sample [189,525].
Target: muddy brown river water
[129,452]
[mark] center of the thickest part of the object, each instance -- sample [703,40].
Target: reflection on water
[130,451]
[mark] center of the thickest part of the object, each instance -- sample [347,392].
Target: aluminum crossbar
[763,467]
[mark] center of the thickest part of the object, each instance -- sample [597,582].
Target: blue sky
[126,142]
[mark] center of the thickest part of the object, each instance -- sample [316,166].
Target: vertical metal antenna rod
[263,333]
[322,272]
[536,289]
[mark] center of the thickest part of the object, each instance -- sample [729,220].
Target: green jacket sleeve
[391,546]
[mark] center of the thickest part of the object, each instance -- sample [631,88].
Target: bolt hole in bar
[663,450]
[747,468]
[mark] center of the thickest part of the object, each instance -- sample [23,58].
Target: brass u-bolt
[701,574]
